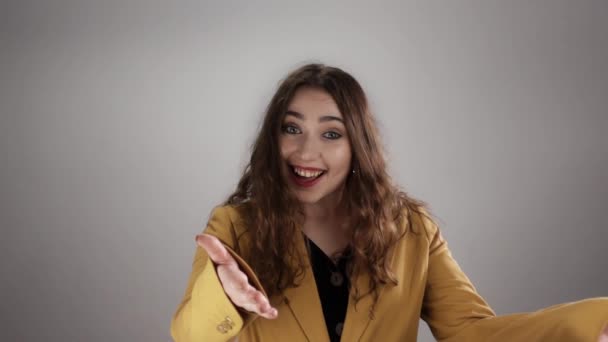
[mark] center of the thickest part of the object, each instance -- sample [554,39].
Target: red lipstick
[303,181]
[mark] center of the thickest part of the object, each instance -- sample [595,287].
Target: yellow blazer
[431,286]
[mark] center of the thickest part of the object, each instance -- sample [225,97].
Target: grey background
[123,123]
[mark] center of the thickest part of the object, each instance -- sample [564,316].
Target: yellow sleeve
[205,313]
[455,311]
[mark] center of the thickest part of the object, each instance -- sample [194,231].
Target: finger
[233,278]
[244,297]
[271,314]
[263,306]
[254,301]
[215,249]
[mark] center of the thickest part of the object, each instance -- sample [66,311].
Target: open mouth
[305,177]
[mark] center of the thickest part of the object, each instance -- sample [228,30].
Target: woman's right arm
[219,298]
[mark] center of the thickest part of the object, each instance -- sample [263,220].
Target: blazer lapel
[304,301]
[358,317]
[305,304]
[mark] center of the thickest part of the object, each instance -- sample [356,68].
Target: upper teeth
[307,173]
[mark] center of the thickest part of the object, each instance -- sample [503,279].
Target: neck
[326,218]
[328,209]
[327,227]
[320,212]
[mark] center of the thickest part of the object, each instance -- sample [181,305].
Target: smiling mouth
[305,177]
[305,174]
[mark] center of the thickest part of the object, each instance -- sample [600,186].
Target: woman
[317,244]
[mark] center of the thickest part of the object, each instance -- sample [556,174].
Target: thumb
[215,249]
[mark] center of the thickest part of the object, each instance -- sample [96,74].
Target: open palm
[234,281]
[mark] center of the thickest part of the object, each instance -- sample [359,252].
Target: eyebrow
[324,118]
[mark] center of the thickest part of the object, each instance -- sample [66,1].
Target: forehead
[314,102]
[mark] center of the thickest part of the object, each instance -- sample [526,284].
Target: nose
[309,148]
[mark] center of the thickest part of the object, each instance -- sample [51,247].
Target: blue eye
[289,129]
[332,135]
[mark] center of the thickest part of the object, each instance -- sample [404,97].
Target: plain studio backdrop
[124,123]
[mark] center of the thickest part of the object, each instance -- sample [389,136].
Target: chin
[308,198]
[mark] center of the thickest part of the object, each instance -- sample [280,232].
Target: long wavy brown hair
[378,209]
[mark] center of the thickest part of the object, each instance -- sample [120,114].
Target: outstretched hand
[604,336]
[234,281]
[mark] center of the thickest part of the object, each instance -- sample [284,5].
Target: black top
[333,286]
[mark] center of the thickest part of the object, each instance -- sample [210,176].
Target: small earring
[354,171]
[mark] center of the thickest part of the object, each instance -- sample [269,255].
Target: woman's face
[315,147]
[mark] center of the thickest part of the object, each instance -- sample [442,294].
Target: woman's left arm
[456,312]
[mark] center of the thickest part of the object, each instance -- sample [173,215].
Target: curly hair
[379,209]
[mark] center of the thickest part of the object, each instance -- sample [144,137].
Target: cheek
[340,158]
[286,146]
